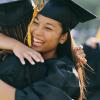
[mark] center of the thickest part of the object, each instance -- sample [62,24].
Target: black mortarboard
[67,12]
[13,12]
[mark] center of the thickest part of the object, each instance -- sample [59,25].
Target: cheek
[31,29]
[52,39]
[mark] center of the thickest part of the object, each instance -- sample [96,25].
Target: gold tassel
[34,15]
[36,10]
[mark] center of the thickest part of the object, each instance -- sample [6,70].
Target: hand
[79,55]
[24,52]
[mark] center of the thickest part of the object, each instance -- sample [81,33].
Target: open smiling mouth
[37,42]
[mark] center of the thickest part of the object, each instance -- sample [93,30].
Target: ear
[63,38]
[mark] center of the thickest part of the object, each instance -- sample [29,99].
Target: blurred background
[88,29]
[85,30]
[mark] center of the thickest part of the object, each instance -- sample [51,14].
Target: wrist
[17,44]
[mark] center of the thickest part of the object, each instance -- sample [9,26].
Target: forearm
[6,91]
[20,49]
[7,42]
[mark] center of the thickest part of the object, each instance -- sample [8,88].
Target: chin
[38,49]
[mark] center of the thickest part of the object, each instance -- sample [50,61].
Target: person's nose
[38,31]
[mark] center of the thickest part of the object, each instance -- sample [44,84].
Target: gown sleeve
[13,72]
[18,75]
[59,84]
[41,91]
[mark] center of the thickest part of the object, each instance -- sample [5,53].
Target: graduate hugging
[58,77]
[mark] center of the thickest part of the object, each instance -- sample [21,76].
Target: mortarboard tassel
[34,15]
[36,10]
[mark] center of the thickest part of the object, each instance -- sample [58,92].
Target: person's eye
[34,22]
[48,28]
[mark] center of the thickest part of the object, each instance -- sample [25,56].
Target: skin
[19,49]
[47,28]
[46,34]
[7,92]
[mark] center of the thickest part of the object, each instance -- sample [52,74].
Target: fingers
[81,59]
[23,52]
[21,59]
[79,51]
[36,56]
[32,57]
[29,58]
[80,55]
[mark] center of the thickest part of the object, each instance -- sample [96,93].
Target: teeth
[36,40]
[37,44]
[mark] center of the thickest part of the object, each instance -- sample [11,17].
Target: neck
[49,55]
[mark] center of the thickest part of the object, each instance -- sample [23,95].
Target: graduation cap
[13,12]
[67,12]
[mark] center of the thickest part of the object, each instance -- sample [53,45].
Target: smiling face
[46,35]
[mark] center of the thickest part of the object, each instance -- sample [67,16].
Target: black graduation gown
[93,77]
[52,80]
